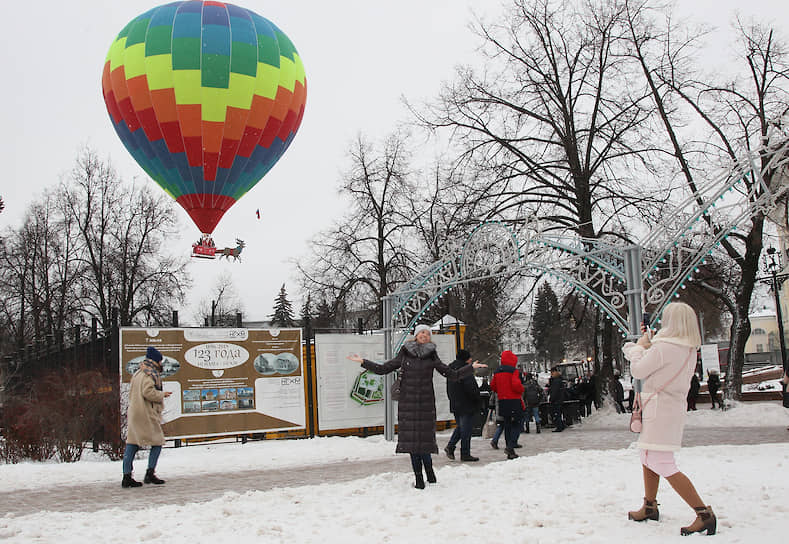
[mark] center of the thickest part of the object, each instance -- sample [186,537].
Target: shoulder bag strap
[638,395]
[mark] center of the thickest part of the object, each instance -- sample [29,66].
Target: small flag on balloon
[257,212]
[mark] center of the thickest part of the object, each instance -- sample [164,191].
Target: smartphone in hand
[645,325]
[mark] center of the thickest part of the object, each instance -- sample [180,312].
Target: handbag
[636,424]
[490,427]
[635,417]
[395,391]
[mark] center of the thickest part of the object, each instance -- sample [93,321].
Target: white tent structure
[446,322]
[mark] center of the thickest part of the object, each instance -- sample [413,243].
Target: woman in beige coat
[144,427]
[665,365]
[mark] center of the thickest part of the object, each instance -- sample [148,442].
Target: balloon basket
[203,252]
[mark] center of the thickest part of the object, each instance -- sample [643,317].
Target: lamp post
[776,280]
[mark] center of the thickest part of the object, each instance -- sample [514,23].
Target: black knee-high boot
[416,464]
[428,462]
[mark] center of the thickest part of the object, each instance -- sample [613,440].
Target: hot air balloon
[206,96]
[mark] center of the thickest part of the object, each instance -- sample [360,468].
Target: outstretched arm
[383,368]
[455,375]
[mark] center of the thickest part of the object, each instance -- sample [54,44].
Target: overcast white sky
[360,58]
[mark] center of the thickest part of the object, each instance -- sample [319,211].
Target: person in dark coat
[485,396]
[693,392]
[556,398]
[631,395]
[582,389]
[785,385]
[464,401]
[532,396]
[713,385]
[618,390]
[416,409]
[593,388]
[507,385]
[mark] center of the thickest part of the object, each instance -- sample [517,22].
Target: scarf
[154,370]
[422,351]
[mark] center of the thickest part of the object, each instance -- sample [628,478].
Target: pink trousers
[661,463]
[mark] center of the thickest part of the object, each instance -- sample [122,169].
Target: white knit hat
[420,328]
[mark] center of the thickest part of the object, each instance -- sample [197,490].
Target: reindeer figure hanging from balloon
[234,252]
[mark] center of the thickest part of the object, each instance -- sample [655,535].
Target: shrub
[60,412]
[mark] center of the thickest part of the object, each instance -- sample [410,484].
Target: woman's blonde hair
[679,325]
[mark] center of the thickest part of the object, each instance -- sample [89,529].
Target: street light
[772,266]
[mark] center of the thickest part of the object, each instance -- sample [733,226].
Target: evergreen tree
[325,317]
[283,311]
[547,326]
[306,311]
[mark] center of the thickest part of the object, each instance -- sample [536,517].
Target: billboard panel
[350,397]
[224,381]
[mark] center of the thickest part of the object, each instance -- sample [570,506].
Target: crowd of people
[551,400]
[664,365]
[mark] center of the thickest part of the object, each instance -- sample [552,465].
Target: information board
[709,358]
[223,381]
[350,397]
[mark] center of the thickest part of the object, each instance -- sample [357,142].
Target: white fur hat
[420,328]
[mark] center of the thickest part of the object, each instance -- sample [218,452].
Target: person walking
[693,392]
[584,394]
[532,395]
[507,385]
[556,398]
[618,391]
[464,399]
[416,409]
[591,396]
[713,385]
[593,388]
[665,365]
[144,418]
[494,406]
[785,385]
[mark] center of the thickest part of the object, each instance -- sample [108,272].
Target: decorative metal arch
[619,280]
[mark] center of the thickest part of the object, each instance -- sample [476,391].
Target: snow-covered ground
[570,496]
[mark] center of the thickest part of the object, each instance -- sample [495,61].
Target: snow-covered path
[303,491]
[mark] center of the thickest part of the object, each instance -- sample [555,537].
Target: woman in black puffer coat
[416,409]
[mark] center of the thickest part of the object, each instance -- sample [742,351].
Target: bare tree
[223,304]
[358,262]
[444,214]
[558,124]
[39,273]
[121,228]
[738,111]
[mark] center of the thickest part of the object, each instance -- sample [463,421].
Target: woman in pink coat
[665,365]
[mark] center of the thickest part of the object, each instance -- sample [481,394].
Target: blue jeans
[132,449]
[533,411]
[512,429]
[497,433]
[462,433]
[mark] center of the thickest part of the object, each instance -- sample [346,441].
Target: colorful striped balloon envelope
[206,96]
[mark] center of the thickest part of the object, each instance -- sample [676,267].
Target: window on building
[759,331]
[759,348]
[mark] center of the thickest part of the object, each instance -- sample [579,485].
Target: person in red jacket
[507,385]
